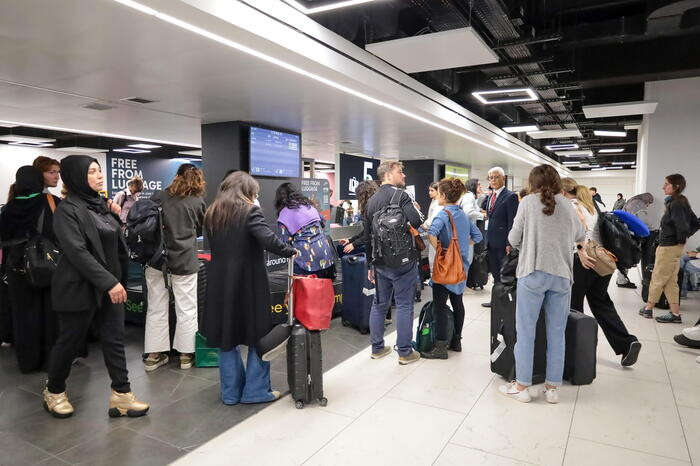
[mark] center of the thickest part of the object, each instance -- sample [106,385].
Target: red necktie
[492,202]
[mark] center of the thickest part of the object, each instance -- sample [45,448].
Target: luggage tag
[499,349]
[369,291]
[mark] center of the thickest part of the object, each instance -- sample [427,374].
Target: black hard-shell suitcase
[581,344]
[304,359]
[358,293]
[503,336]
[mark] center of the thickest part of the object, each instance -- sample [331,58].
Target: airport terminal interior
[319,99]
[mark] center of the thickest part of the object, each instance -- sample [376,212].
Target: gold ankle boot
[57,404]
[126,404]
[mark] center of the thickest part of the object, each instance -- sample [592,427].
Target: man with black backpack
[394,258]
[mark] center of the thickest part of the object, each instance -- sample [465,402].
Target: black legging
[440,295]
[73,329]
[588,284]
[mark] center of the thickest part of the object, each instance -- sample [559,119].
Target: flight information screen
[274,153]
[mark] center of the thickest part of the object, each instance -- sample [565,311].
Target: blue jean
[535,291]
[402,282]
[244,385]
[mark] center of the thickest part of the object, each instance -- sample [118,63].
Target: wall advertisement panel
[156,173]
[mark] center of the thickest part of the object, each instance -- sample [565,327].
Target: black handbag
[41,258]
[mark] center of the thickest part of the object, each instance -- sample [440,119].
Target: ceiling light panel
[561,146]
[624,163]
[520,129]
[575,153]
[642,107]
[30,139]
[131,151]
[435,51]
[555,133]
[81,150]
[611,151]
[520,94]
[608,133]
[144,146]
[329,7]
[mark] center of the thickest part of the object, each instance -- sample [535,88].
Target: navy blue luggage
[358,293]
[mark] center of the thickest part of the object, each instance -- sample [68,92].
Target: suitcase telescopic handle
[290,301]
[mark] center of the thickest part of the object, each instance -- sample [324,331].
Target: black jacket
[677,223]
[381,199]
[82,277]
[501,219]
[238,292]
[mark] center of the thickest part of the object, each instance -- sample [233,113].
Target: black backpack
[145,234]
[616,238]
[392,242]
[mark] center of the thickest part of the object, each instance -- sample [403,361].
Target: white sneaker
[551,395]
[511,391]
[692,333]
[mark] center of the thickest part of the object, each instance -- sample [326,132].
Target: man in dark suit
[501,207]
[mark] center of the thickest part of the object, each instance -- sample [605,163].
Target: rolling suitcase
[478,273]
[503,336]
[201,289]
[581,344]
[304,358]
[358,293]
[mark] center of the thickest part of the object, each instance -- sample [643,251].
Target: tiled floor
[450,412]
[432,412]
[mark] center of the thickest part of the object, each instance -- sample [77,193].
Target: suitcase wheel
[299,404]
[364,331]
[323,401]
[346,323]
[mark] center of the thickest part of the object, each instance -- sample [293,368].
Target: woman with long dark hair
[545,230]
[301,227]
[450,190]
[28,213]
[86,286]
[183,213]
[678,223]
[363,192]
[238,291]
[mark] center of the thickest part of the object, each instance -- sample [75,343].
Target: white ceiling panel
[435,51]
[642,107]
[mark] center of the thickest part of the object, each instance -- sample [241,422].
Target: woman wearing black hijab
[29,212]
[86,286]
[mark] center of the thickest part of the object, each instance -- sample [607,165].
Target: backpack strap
[391,201]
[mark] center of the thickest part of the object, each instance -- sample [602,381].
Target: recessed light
[616,134]
[131,151]
[30,144]
[144,146]
[561,146]
[520,129]
[528,97]
[611,151]
[332,6]
[31,139]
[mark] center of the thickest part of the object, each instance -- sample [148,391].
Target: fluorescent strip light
[97,133]
[81,150]
[611,151]
[530,96]
[571,162]
[31,139]
[575,153]
[144,146]
[520,129]
[561,146]
[30,144]
[319,9]
[191,152]
[613,168]
[617,134]
[555,134]
[316,77]
[131,151]
[624,163]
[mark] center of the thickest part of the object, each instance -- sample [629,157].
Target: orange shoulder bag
[448,268]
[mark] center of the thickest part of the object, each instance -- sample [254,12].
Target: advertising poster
[352,170]
[453,171]
[319,193]
[156,173]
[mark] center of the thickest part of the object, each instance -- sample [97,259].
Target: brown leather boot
[57,404]
[126,404]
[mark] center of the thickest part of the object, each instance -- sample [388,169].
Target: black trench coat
[238,292]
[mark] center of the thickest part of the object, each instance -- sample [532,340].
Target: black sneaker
[648,313]
[630,357]
[669,318]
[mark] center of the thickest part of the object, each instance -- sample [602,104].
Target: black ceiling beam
[545,114]
[547,101]
[560,86]
[534,73]
[505,64]
[529,41]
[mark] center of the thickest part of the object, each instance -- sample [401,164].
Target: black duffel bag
[616,238]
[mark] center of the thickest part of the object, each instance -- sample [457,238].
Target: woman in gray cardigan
[545,230]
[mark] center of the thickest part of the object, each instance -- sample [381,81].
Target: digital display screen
[274,153]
